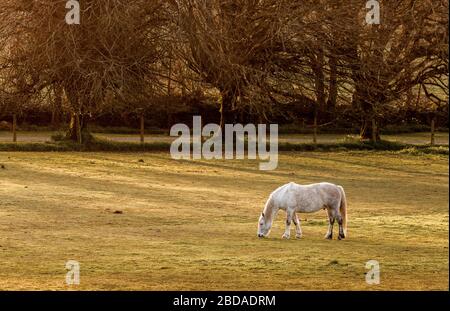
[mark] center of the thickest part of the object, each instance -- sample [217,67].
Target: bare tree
[389,59]
[112,54]
[261,57]
[230,45]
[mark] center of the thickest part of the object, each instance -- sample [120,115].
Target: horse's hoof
[298,236]
[341,237]
[286,237]
[329,237]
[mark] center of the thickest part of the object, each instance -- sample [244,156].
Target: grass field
[189,225]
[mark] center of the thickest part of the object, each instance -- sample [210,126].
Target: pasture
[147,222]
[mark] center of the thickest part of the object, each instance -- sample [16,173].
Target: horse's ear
[262,215]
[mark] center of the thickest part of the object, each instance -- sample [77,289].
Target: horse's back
[306,198]
[331,193]
[283,196]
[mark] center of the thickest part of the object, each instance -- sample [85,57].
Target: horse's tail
[343,210]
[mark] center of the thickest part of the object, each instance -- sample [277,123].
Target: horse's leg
[298,229]
[331,218]
[341,227]
[289,216]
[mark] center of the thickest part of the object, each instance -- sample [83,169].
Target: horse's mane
[268,209]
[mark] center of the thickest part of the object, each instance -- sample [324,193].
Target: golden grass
[192,225]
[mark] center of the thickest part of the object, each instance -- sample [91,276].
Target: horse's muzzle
[260,235]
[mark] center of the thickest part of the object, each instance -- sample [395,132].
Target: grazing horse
[294,198]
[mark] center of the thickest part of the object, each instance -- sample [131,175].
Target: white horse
[294,198]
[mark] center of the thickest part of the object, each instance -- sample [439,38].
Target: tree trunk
[319,89]
[169,80]
[226,112]
[77,128]
[57,108]
[374,131]
[78,124]
[369,130]
[14,128]
[169,120]
[333,87]
[315,128]
[72,131]
[433,131]
[53,121]
[142,128]
[319,80]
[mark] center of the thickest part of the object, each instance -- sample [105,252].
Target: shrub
[5,126]
[60,136]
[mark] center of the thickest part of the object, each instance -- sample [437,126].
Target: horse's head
[263,226]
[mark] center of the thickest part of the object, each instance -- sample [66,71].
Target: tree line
[251,60]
